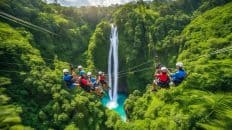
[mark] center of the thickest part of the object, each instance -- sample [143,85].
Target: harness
[164,83]
[180,78]
[85,87]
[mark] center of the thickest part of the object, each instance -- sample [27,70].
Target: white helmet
[65,71]
[163,69]
[179,64]
[89,74]
[79,67]
[100,72]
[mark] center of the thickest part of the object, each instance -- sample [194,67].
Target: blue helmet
[82,72]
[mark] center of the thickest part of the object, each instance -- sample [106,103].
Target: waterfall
[114,101]
[113,67]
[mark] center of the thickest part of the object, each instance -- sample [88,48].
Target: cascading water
[113,66]
[114,100]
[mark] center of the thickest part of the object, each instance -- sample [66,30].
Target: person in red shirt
[157,71]
[102,80]
[84,83]
[162,79]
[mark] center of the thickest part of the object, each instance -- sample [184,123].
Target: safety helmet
[179,64]
[65,71]
[79,67]
[100,72]
[89,74]
[163,69]
[82,72]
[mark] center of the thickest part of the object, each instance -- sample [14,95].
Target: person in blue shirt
[68,79]
[80,70]
[95,85]
[180,75]
[92,80]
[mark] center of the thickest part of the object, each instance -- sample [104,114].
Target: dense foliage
[97,53]
[33,96]
[37,90]
[179,108]
[202,37]
[192,105]
[73,27]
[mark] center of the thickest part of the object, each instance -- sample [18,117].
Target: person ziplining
[95,85]
[163,78]
[102,80]
[85,81]
[68,78]
[179,75]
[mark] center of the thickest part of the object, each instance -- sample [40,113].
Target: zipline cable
[226,49]
[35,27]
[18,22]
[148,68]
[136,66]
[10,71]
[2,52]
[23,22]
[15,19]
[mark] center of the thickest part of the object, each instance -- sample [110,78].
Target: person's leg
[98,92]
[72,86]
[81,86]
[154,86]
[167,85]
[160,84]
[163,85]
[88,88]
[176,82]
[104,85]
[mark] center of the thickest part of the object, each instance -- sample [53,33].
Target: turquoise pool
[120,108]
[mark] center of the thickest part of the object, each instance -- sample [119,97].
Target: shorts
[94,86]
[102,81]
[86,88]
[176,82]
[72,86]
[163,85]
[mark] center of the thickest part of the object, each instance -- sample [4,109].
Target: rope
[10,71]
[13,63]
[136,66]
[38,28]
[17,22]
[225,49]
[25,23]
[124,75]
